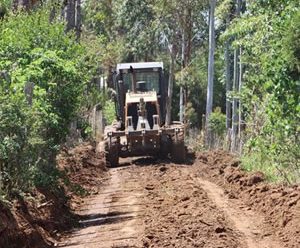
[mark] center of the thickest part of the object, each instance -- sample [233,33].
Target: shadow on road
[146,161]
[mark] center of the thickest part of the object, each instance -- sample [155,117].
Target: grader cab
[140,108]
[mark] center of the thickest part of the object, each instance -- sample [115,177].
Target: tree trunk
[240,101]
[54,9]
[181,101]
[189,36]
[235,101]
[78,19]
[181,105]
[64,10]
[228,80]
[26,4]
[21,4]
[70,15]
[170,87]
[210,81]
[235,116]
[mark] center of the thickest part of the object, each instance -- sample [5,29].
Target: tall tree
[235,87]
[134,25]
[170,85]
[211,67]
[180,23]
[240,100]
[229,12]
[228,83]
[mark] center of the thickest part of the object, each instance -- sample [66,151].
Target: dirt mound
[83,167]
[279,204]
[180,214]
[9,229]
[36,219]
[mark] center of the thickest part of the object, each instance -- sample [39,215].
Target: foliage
[42,76]
[269,36]
[191,115]
[217,122]
[109,112]
[134,18]
[46,77]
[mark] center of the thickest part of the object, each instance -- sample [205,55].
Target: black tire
[178,151]
[112,153]
[165,145]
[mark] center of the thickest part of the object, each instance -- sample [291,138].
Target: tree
[266,87]
[186,32]
[235,88]
[25,4]
[71,15]
[168,120]
[210,83]
[134,20]
[43,73]
[22,4]
[78,19]
[226,12]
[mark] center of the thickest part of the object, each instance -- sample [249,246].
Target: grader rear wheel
[178,152]
[165,144]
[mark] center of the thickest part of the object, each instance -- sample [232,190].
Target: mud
[179,213]
[210,203]
[279,205]
[85,172]
[112,218]
[34,220]
[205,204]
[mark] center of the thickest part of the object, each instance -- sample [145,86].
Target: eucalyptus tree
[72,14]
[100,18]
[225,15]
[211,68]
[134,20]
[235,87]
[268,32]
[180,25]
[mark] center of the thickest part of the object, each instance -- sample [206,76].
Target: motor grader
[140,130]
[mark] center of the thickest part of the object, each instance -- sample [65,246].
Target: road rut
[159,204]
[111,218]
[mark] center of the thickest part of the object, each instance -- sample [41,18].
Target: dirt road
[146,203]
[113,217]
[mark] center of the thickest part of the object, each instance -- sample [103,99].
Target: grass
[274,167]
[253,162]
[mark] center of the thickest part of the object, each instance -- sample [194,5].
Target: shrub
[42,78]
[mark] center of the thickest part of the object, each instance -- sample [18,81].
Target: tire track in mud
[180,214]
[194,212]
[111,218]
[245,221]
[151,204]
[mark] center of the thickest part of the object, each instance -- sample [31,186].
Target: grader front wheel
[112,152]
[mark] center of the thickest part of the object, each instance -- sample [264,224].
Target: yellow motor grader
[140,130]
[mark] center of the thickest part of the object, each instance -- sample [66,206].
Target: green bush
[217,122]
[268,33]
[42,79]
[109,112]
